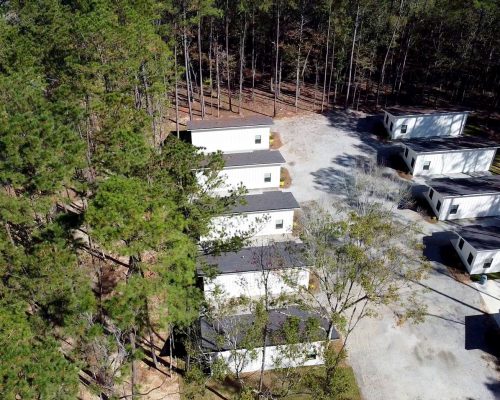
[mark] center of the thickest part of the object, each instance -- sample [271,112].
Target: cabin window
[431,193]
[258,139]
[470,259]
[461,244]
[267,177]
[412,162]
[386,118]
[406,152]
[427,166]
[311,355]
[392,124]
[279,224]
[404,128]
[488,262]
[438,205]
[454,209]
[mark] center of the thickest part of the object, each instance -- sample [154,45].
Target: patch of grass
[285,178]
[275,141]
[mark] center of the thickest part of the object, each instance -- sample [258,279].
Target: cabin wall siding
[419,126]
[252,284]
[477,160]
[480,257]
[231,140]
[259,223]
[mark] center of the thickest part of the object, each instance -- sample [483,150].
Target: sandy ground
[447,356]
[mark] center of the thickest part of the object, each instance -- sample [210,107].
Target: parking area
[451,354]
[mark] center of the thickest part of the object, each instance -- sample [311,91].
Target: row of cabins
[266,214]
[459,185]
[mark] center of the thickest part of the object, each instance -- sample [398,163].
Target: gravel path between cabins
[447,356]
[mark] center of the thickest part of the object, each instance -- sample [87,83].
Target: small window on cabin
[461,244]
[454,209]
[427,166]
[406,152]
[311,355]
[438,205]
[488,262]
[392,124]
[258,139]
[431,193]
[470,259]
[412,162]
[279,224]
[267,177]
[386,118]
[404,128]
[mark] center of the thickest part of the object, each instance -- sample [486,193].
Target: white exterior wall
[251,284]
[259,224]
[479,258]
[251,177]
[477,160]
[468,206]
[418,126]
[231,140]
[274,358]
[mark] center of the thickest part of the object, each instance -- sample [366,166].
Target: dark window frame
[406,152]
[413,162]
[267,177]
[404,128]
[426,166]
[470,259]
[461,243]
[258,139]
[392,125]
[454,208]
[438,205]
[279,224]
[431,193]
[488,263]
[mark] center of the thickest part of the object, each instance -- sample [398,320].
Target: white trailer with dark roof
[259,169]
[464,197]
[479,248]
[246,273]
[224,339]
[444,156]
[231,135]
[259,215]
[411,122]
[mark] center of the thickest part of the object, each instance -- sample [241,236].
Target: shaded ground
[452,355]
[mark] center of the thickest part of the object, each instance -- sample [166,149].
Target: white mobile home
[231,135]
[464,197]
[224,338]
[479,248]
[244,273]
[259,169]
[259,215]
[406,123]
[442,156]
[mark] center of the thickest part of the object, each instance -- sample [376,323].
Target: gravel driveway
[447,356]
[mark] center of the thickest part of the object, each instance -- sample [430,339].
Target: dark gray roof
[466,186]
[258,157]
[413,111]
[236,326]
[266,201]
[276,256]
[253,120]
[444,145]
[481,237]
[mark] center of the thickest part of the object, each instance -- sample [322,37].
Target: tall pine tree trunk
[253,53]
[297,71]
[331,72]
[326,56]
[210,61]
[277,56]
[186,66]
[217,75]
[242,63]
[227,58]
[352,56]
[202,96]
